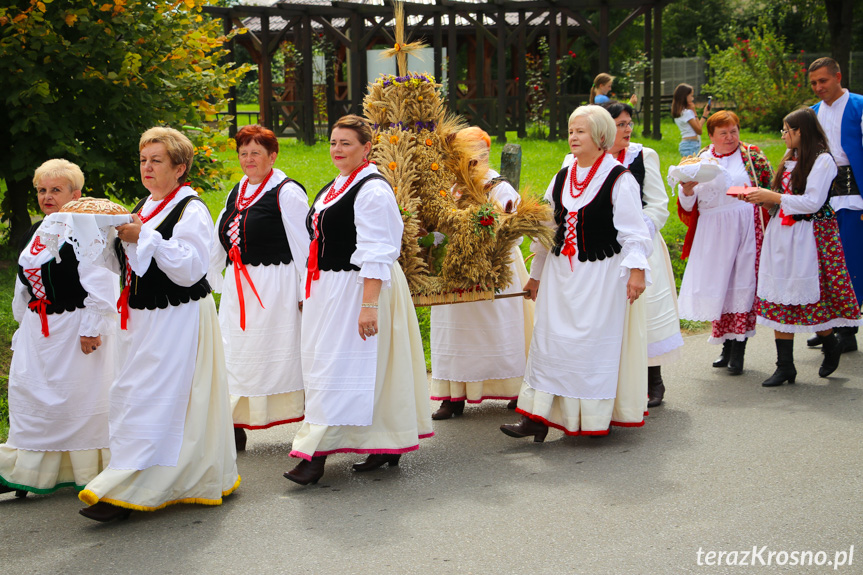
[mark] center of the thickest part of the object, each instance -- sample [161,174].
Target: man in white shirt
[840,114]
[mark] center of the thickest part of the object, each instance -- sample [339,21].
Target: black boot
[240,438]
[832,353]
[785,370]
[846,337]
[307,471]
[655,387]
[735,362]
[722,360]
[813,341]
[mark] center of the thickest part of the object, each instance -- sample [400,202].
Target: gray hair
[59,168]
[602,128]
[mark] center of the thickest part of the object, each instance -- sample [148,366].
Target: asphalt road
[723,465]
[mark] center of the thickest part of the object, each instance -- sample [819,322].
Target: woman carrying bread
[723,242]
[171,433]
[64,356]
[261,238]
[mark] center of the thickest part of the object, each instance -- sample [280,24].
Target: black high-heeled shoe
[375,460]
[307,472]
[105,512]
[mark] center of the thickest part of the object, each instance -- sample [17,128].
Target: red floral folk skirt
[838,305]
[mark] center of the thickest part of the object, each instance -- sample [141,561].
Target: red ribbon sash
[123,307]
[312,273]
[40,305]
[240,270]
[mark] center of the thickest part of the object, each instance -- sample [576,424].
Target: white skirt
[578,333]
[479,349]
[47,471]
[265,375]
[400,408]
[206,468]
[660,299]
[58,397]
[788,272]
[720,273]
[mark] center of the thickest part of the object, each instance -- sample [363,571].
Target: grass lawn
[311,166]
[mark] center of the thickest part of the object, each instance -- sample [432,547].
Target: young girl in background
[683,112]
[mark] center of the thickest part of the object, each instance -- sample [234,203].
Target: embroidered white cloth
[88,234]
[701,172]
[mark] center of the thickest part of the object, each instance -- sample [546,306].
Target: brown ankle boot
[104,512]
[655,387]
[307,471]
[526,427]
[447,409]
[513,403]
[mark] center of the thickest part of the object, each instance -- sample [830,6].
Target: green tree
[83,79]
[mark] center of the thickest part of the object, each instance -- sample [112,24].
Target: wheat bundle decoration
[415,150]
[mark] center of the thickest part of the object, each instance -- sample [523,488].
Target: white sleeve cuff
[687,202]
[635,258]
[94,324]
[375,271]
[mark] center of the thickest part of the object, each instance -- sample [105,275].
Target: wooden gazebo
[496,93]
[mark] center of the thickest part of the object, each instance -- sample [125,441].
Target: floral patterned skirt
[838,305]
[740,326]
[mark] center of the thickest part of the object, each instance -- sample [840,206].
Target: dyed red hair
[474,134]
[259,135]
[721,118]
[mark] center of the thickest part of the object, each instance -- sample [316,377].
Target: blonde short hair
[602,128]
[180,148]
[58,168]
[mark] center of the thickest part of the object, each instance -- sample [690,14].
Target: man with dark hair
[840,114]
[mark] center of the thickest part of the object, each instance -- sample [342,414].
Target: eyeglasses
[783,131]
[623,126]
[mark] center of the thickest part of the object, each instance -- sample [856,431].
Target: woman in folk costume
[478,349]
[803,284]
[660,297]
[719,282]
[65,356]
[363,362]
[170,424]
[261,238]
[597,268]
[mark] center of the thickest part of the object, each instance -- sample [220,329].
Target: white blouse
[378,222]
[632,233]
[817,187]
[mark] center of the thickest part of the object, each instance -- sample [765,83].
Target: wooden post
[657,71]
[521,56]
[553,120]
[227,26]
[308,114]
[438,49]
[357,82]
[451,62]
[603,38]
[501,76]
[265,75]
[646,96]
[330,73]
[510,164]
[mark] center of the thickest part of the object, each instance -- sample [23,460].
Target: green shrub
[759,77]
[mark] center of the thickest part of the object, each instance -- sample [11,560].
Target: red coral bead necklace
[332,194]
[164,202]
[715,155]
[242,201]
[574,184]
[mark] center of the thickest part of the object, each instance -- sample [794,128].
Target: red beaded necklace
[242,201]
[332,194]
[164,202]
[574,184]
[621,155]
[715,155]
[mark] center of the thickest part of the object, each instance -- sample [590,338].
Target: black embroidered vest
[262,238]
[825,212]
[636,168]
[61,281]
[153,289]
[337,232]
[596,236]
